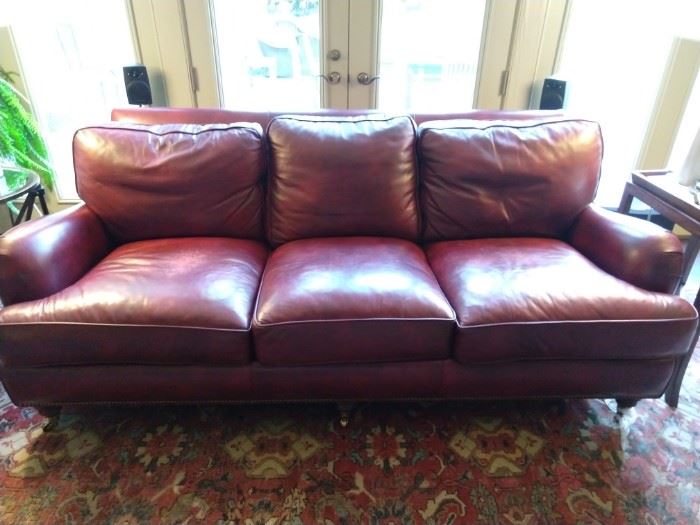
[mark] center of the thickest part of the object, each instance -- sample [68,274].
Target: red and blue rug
[498,463]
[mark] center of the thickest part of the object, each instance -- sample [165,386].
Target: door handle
[365,79]
[332,78]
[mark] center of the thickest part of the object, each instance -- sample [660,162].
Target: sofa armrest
[41,257]
[631,249]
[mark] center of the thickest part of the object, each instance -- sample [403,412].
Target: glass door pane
[429,54]
[688,129]
[71,53]
[268,53]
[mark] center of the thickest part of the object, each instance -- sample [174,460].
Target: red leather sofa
[339,257]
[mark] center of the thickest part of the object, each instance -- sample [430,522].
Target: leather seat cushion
[166,301]
[350,300]
[533,299]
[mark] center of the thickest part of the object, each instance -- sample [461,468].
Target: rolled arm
[41,257]
[631,249]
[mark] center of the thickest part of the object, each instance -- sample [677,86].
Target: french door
[395,55]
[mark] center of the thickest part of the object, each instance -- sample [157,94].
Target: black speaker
[553,93]
[138,88]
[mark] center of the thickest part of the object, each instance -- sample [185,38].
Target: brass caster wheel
[345,410]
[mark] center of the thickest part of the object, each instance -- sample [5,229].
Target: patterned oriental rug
[573,462]
[529,463]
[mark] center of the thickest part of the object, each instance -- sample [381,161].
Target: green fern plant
[21,144]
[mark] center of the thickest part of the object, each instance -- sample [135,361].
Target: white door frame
[178,46]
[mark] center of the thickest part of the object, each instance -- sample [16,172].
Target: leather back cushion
[173,180]
[338,176]
[506,178]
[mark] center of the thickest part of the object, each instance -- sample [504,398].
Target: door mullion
[364,19]
[334,31]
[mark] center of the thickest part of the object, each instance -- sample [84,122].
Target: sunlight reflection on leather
[318,280]
[483,283]
[376,281]
[104,297]
[220,289]
[386,281]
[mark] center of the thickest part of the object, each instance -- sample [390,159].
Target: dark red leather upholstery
[350,300]
[168,301]
[173,180]
[636,251]
[42,257]
[489,114]
[506,179]
[338,316]
[216,115]
[634,378]
[442,379]
[339,176]
[539,299]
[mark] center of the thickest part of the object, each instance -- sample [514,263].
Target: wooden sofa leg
[674,387]
[673,390]
[52,413]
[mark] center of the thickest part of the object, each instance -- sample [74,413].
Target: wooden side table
[661,191]
[15,182]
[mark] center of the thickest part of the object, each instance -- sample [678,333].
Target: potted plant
[21,144]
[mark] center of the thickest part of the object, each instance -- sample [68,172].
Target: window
[269,53]
[613,56]
[435,68]
[397,55]
[71,57]
[689,128]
